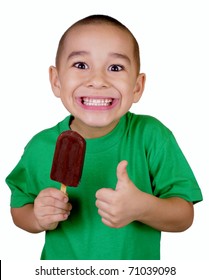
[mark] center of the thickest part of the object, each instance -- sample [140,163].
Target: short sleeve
[18,182]
[172,175]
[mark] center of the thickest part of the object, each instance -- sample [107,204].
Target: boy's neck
[89,131]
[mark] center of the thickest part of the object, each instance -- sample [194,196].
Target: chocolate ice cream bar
[68,159]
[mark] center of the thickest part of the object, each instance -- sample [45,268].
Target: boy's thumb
[122,174]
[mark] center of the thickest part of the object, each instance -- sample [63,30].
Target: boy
[135,183]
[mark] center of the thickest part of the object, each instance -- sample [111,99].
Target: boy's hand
[50,207]
[119,207]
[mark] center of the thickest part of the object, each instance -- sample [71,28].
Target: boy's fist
[50,207]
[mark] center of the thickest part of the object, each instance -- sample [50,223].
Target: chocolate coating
[68,158]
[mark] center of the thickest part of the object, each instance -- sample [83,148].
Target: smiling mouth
[97,102]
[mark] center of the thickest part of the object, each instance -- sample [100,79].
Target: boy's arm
[171,214]
[50,207]
[127,203]
[24,218]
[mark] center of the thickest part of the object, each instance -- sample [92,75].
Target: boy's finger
[105,195]
[55,193]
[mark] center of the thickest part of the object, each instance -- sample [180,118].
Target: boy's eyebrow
[76,53]
[120,55]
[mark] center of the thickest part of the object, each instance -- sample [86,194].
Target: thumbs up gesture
[119,207]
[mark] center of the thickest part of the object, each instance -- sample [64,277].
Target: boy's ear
[139,87]
[54,80]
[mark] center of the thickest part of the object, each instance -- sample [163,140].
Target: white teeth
[96,101]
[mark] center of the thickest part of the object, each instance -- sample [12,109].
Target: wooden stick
[63,188]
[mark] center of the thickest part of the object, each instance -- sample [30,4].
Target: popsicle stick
[63,188]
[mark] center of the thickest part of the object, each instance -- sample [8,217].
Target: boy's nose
[97,80]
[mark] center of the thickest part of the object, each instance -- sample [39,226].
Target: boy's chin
[100,123]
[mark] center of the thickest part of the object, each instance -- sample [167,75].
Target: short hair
[98,19]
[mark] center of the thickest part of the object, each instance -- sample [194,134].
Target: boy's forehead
[96,30]
[108,34]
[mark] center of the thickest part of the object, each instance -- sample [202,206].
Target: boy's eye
[115,67]
[80,65]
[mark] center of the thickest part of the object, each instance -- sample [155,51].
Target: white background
[173,38]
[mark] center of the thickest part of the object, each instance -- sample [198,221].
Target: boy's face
[97,79]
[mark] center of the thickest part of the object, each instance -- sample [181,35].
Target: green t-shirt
[156,165]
